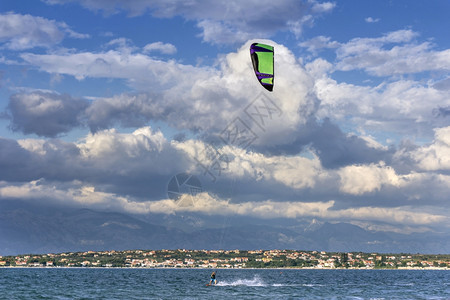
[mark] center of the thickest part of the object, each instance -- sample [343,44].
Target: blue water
[55,283]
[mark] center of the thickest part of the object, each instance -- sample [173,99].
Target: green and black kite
[262,58]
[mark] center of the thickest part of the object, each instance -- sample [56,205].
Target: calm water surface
[54,283]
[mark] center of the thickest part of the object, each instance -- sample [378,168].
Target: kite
[262,59]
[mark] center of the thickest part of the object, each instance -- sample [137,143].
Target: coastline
[230,259]
[221,268]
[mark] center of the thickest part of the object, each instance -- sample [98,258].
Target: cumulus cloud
[436,156]
[223,22]
[388,107]
[292,172]
[315,147]
[392,105]
[45,113]
[19,32]
[360,179]
[138,164]
[208,98]
[301,95]
[140,144]
[376,184]
[106,159]
[130,172]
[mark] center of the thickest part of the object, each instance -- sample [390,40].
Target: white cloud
[352,172]
[292,172]
[397,215]
[19,32]
[144,153]
[164,48]
[322,7]
[436,156]
[392,54]
[77,193]
[118,171]
[131,155]
[109,142]
[217,32]
[319,68]
[357,180]
[372,20]
[319,42]
[34,146]
[378,57]
[190,101]
[140,70]
[205,203]
[389,107]
[231,21]
[372,143]
[193,105]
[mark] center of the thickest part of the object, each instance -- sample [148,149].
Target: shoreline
[193,268]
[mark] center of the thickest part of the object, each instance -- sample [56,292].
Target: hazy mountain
[29,228]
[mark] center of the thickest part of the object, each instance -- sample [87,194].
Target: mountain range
[30,228]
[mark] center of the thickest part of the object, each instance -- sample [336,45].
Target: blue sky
[102,102]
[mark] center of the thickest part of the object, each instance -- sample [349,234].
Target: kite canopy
[262,58]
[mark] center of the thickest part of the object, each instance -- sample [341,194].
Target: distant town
[182,258]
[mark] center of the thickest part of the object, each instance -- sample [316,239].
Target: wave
[256,281]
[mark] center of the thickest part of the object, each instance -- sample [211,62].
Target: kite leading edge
[262,59]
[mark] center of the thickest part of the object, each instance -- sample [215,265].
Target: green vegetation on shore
[182,258]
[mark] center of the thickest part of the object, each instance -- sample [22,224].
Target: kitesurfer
[213,278]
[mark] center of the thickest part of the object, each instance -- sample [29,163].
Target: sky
[103,102]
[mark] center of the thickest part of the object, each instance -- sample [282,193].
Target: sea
[102,283]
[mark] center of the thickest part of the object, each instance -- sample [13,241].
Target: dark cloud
[337,149]
[334,148]
[33,160]
[138,164]
[442,111]
[16,163]
[45,113]
[136,110]
[126,110]
[443,85]
[179,137]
